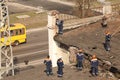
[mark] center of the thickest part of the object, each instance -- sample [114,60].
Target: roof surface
[93,36]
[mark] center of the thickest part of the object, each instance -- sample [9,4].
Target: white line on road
[31,45]
[22,65]
[31,63]
[63,2]
[36,29]
[26,54]
[22,6]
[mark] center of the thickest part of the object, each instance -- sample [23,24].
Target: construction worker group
[80,57]
[94,62]
[80,62]
[48,64]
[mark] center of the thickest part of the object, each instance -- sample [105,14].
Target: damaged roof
[92,37]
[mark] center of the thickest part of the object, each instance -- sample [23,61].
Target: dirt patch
[35,20]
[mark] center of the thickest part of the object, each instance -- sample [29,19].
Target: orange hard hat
[93,56]
[81,50]
[107,32]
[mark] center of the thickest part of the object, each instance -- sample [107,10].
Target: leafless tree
[83,7]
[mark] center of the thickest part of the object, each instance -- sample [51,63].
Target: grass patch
[35,20]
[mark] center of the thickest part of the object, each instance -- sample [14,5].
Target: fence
[74,20]
[115,8]
[66,17]
[98,9]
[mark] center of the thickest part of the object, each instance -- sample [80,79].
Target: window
[12,33]
[19,31]
[16,32]
[22,31]
[2,35]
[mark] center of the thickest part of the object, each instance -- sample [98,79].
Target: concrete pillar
[107,8]
[54,51]
[51,33]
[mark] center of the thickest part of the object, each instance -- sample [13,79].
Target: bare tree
[83,7]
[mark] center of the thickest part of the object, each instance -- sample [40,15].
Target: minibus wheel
[16,43]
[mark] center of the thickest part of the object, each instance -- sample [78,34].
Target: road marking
[30,45]
[31,63]
[26,54]
[23,65]
[63,2]
[36,29]
[22,6]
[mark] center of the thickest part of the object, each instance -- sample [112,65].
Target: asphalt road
[46,4]
[35,48]
[37,42]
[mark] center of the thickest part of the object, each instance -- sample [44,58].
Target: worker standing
[59,24]
[60,65]
[107,41]
[48,64]
[80,58]
[94,65]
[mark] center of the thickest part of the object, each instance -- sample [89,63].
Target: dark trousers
[94,70]
[80,65]
[60,71]
[107,45]
[60,29]
[48,70]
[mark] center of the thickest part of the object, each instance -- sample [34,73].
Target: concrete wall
[55,51]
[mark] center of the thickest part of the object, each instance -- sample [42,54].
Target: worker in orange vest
[94,65]
[80,58]
[59,24]
[60,65]
[48,64]
[107,41]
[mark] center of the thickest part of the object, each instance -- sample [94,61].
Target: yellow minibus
[17,33]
